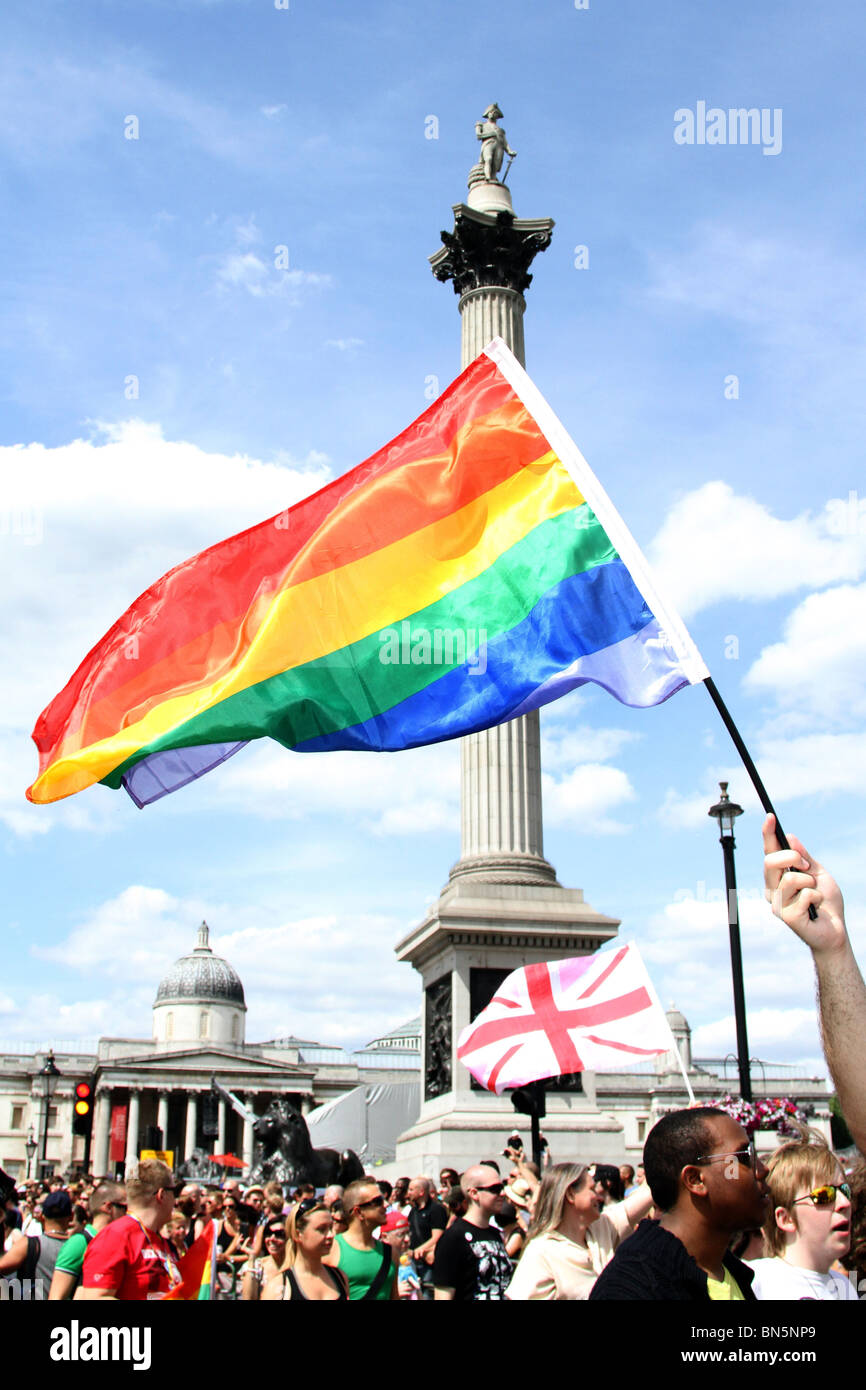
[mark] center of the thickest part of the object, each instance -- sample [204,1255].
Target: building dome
[200,999]
[201,976]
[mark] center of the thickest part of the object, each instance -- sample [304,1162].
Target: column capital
[487,248]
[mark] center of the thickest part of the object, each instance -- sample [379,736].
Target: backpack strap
[382,1274]
[31,1259]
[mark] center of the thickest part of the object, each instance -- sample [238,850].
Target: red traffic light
[83,1091]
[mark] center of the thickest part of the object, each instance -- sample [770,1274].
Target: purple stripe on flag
[164,772]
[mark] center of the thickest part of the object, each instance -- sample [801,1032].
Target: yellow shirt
[725,1290]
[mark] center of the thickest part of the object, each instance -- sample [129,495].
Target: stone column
[249,1137]
[191,1123]
[132,1131]
[487,257]
[101,1131]
[221,1128]
[162,1117]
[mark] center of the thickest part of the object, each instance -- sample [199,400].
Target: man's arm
[841,990]
[88,1295]
[62,1285]
[443,1295]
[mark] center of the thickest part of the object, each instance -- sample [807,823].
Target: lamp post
[50,1076]
[30,1147]
[725,812]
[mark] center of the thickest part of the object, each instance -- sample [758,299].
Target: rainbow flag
[469,571]
[196,1269]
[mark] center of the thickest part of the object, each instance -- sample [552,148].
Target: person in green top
[107,1202]
[367,1263]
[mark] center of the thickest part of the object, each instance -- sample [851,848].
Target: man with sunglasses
[106,1204]
[368,1264]
[707,1182]
[471,1264]
[808,1227]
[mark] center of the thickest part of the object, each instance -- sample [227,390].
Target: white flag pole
[685,1075]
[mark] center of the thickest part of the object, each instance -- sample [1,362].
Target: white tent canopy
[368,1119]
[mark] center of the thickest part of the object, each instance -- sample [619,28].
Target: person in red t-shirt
[130,1260]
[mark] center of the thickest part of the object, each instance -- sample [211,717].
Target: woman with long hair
[260,1269]
[310,1235]
[570,1241]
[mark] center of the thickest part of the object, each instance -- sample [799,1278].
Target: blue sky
[164,385]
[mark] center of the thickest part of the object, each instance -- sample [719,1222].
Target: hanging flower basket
[778,1115]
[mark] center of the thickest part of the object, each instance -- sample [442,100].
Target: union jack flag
[590,1013]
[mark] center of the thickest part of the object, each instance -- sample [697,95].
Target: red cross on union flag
[591,1013]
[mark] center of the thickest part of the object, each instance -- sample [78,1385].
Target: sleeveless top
[361,1268]
[290,1282]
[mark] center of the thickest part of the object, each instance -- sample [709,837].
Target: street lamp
[50,1076]
[30,1147]
[725,812]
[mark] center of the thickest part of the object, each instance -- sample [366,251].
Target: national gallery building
[154,1093]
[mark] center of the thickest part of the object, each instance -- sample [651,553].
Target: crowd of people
[705,1217]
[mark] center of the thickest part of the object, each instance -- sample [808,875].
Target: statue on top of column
[494,145]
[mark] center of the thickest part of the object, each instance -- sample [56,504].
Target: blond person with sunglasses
[304,1276]
[808,1227]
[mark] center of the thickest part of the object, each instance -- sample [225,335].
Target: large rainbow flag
[469,571]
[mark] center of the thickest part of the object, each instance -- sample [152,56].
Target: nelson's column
[502,906]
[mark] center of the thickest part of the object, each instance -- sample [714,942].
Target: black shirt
[472,1261]
[422,1224]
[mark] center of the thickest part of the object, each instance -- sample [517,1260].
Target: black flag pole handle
[750,768]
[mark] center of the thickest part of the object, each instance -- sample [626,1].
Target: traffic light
[529,1100]
[82,1116]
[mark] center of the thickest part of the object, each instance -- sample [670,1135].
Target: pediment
[200,1062]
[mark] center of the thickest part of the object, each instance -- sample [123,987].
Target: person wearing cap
[106,1204]
[35,1257]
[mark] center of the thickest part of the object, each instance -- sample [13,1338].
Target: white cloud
[332,978]
[566,748]
[273,111]
[818,669]
[408,793]
[246,270]
[584,797]
[774,1035]
[344,344]
[715,545]
[686,949]
[90,525]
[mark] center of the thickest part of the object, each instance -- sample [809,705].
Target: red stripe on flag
[600,979]
[551,1018]
[559,1020]
[623,1047]
[506,1057]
